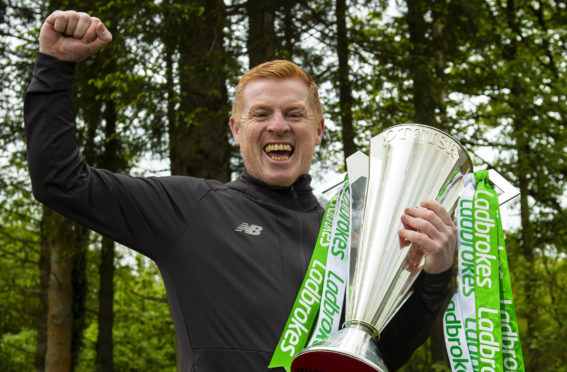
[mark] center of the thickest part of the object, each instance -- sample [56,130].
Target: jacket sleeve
[411,326]
[146,214]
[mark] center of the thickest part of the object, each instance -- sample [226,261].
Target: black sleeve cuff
[434,283]
[51,74]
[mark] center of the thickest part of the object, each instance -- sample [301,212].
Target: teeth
[280,158]
[278,147]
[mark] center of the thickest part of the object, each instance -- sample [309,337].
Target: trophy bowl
[408,163]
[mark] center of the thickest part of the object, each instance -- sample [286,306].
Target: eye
[260,115]
[295,115]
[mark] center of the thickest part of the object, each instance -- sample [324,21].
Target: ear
[320,129]
[234,128]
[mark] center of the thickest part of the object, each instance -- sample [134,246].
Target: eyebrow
[259,107]
[298,106]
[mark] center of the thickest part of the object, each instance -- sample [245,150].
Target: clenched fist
[72,36]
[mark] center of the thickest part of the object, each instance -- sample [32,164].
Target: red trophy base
[349,350]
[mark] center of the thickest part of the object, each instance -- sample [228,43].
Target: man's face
[277,131]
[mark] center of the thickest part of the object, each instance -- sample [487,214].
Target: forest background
[157,101]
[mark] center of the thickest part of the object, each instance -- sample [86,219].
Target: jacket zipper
[302,247]
[293,192]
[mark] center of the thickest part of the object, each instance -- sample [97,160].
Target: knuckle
[73,15]
[421,239]
[414,223]
[429,214]
[424,225]
[438,247]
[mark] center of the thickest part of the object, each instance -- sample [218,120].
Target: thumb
[104,37]
[103,34]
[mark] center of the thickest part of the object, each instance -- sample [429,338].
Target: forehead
[275,93]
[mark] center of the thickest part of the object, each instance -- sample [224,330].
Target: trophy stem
[353,348]
[366,327]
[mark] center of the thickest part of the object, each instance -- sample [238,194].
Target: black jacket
[232,256]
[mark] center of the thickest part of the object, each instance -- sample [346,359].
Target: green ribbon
[487,275]
[512,357]
[337,271]
[492,341]
[302,315]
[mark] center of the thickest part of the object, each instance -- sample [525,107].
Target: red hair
[277,70]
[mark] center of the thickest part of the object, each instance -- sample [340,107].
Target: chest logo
[249,229]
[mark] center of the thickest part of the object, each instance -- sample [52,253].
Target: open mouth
[279,151]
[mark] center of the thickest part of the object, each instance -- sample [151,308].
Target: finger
[429,236]
[103,37]
[58,19]
[103,33]
[90,33]
[439,210]
[83,24]
[71,23]
[54,16]
[437,217]
[429,245]
[424,221]
[404,242]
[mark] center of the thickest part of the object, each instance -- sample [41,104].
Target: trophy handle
[506,190]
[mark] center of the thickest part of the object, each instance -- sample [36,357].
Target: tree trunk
[437,345]
[262,42]
[112,160]
[345,94]
[44,275]
[60,317]
[290,32]
[80,290]
[439,52]
[104,342]
[527,242]
[199,138]
[527,246]
[420,63]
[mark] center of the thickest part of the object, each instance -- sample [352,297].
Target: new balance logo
[249,229]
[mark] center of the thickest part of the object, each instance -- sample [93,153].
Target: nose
[278,124]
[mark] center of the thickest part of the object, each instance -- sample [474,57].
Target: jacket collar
[297,196]
[303,183]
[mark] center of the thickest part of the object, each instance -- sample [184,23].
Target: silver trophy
[408,164]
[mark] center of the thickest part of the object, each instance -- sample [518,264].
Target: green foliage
[548,279]
[144,337]
[143,319]
[17,350]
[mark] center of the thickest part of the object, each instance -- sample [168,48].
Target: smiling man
[233,255]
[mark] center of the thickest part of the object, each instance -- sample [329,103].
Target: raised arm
[147,214]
